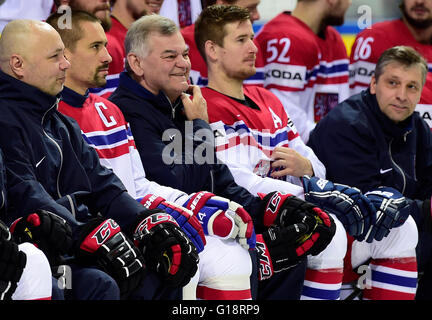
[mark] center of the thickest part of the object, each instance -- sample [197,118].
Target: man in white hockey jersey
[225,266]
[413,29]
[256,138]
[198,73]
[305,61]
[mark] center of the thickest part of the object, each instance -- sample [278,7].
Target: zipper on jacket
[55,105]
[406,134]
[3,199]
[212,181]
[173,108]
[396,165]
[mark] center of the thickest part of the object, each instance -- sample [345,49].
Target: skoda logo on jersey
[286,75]
[361,71]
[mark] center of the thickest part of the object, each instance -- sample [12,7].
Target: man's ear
[210,50]
[135,64]
[17,64]
[372,85]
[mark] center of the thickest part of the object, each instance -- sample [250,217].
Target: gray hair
[404,55]
[136,40]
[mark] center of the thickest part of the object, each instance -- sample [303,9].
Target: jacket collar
[389,127]
[14,89]
[160,100]
[73,98]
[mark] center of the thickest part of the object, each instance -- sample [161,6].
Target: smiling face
[167,65]
[398,90]
[89,59]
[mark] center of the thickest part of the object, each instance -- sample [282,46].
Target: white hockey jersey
[246,137]
[309,74]
[104,128]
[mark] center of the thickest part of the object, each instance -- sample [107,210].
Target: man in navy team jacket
[376,139]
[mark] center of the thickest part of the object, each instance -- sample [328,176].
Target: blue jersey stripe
[394,279]
[104,140]
[263,140]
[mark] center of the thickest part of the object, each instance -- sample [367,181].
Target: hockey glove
[392,211]
[184,217]
[49,232]
[280,248]
[12,263]
[222,218]
[352,208]
[167,250]
[101,243]
[285,210]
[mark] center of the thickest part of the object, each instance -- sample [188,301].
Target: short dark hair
[70,36]
[403,55]
[210,24]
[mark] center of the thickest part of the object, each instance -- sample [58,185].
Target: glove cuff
[151,201]
[271,206]
[90,238]
[263,255]
[197,201]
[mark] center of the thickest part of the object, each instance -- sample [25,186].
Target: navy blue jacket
[49,165]
[161,128]
[360,146]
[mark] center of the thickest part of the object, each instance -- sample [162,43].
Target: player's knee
[35,257]
[401,241]
[36,281]
[224,259]
[332,256]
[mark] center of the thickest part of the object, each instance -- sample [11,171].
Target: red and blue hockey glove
[392,210]
[49,232]
[12,263]
[167,250]
[285,210]
[351,207]
[101,243]
[222,218]
[184,217]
